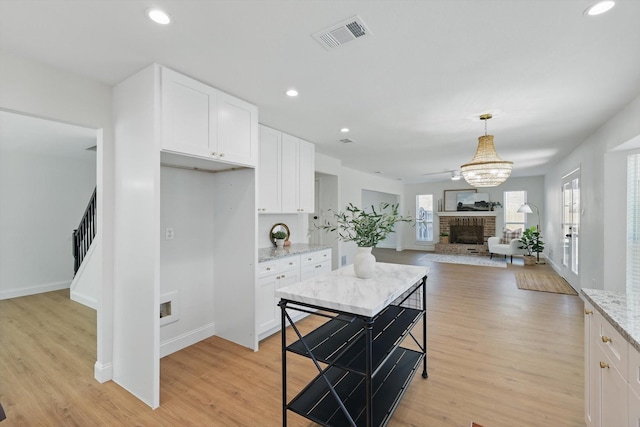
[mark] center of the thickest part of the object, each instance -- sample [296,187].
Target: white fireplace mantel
[468,213]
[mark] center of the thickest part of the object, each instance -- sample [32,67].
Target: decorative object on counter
[279,227]
[444,237]
[531,241]
[279,237]
[366,229]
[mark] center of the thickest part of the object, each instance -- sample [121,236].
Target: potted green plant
[279,237]
[366,229]
[531,241]
[444,237]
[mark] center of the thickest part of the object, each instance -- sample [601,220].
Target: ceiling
[411,93]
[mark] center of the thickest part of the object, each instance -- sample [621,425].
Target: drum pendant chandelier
[486,169]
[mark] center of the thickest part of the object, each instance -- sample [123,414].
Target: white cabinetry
[280,272]
[271,276]
[612,375]
[202,121]
[289,186]
[270,191]
[315,263]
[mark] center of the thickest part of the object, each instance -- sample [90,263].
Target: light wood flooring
[497,355]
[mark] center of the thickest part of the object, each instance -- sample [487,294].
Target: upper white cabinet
[289,186]
[237,130]
[269,176]
[202,121]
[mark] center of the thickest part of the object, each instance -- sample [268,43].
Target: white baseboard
[185,340]
[103,373]
[33,290]
[84,300]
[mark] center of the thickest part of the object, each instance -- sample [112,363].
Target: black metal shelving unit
[363,370]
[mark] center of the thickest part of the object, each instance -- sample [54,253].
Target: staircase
[84,234]
[87,258]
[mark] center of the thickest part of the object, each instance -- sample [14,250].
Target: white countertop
[342,290]
[622,310]
[272,252]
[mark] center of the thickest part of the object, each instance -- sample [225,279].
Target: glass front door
[571,223]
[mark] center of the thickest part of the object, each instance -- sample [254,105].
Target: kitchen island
[363,368]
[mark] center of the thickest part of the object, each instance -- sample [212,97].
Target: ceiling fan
[455,174]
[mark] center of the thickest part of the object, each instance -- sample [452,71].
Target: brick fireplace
[468,232]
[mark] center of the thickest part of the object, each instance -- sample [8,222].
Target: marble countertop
[622,310]
[272,252]
[342,290]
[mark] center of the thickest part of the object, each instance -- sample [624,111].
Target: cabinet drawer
[634,370]
[613,345]
[316,257]
[288,264]
[267,268]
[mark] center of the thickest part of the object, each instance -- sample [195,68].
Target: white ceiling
[411,93]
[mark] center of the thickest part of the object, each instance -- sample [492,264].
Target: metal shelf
[340,341]
[316,403]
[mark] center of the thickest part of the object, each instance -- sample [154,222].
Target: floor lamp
[526,208]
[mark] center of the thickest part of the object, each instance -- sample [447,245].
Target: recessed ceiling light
[344,130]
[292,93]
[158,16]
[379,172]
[600,7]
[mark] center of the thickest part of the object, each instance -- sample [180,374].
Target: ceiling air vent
[346,141]
[344,32]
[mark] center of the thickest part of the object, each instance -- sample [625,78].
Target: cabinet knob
[268,268]
[221,154]
[282,277]
[604,365]
[587,311]
[606,339]
[213,153]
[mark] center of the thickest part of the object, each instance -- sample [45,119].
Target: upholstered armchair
[506,249]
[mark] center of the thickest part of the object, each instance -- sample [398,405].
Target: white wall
[351,183]
[534,186]
[375,198]
[43,199]
[40,90]
[187,200]
[603,221]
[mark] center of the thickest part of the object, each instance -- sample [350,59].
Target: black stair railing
[84,234]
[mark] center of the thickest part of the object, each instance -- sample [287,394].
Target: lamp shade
[525,208]
[486,169]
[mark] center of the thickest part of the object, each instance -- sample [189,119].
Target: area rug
[465,259]
[544,283]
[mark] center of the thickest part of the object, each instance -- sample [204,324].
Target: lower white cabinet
[612,375]
[280,272]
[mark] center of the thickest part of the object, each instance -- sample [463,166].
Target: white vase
[280,243]
[364,263]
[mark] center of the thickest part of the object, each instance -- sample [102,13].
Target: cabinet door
[306,158]
[290,175]
[613,392]
[268,312]
[189,115]
[591,370]
[237,130]
[269,193]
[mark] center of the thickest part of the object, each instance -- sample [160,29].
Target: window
[424,218]
[633,223]
[512,202]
